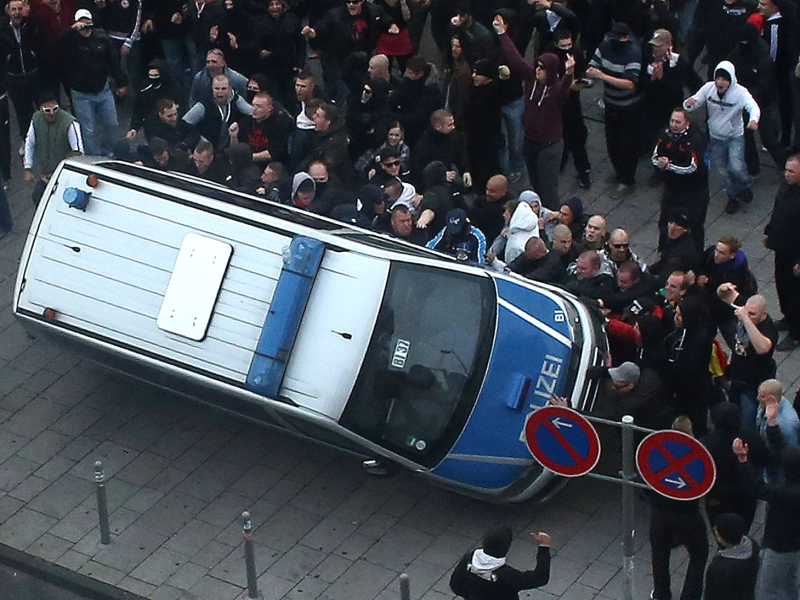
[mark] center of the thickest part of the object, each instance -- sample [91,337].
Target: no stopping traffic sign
[562,441]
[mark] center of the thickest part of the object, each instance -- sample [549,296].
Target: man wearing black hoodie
[545,95]
[483,573]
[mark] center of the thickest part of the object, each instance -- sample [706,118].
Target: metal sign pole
[628,509]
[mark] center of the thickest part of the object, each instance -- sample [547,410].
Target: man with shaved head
[488,211]
[618,250]
[538,262]
[751,356]
[595,234]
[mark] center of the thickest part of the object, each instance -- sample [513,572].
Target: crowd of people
[429,149]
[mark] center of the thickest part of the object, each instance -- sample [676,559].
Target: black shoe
[787,344]
[732,206]
[584,181]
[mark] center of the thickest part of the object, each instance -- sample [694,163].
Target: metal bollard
[628,515]
[102,503]
[405,587]
[250,558]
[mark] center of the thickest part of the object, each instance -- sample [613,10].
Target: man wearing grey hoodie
[732,573]
[725,100]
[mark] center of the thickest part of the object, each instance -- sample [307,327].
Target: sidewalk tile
[330,569]
[101,572]
[167,592]
[14,470]
[169,514]
[362,580]
[297,563]
[8,506]
[400,546]
[287,527]
[72,560]
[44,446]
[214,589]
[135,586]
[77,523]
[77,420]
[308,588]
[129,549]
[62,496]
[187,575]
[272,587]
[192,537]
[143,499]
[113,456]
[143,469]
[159,566]
[49,547]
[329,533]
[224,510]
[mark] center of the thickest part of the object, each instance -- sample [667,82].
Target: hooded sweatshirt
[725,113]
[732,573]
[544,102]
[524,225]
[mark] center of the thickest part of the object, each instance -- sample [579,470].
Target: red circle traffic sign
[676,465]
[562,441]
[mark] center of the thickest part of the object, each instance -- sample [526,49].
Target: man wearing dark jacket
[781,236]
[441,142]
[732,573]
[677,250]
[414,100]
[19,37]
[545,95]
[756,72]
[354,26]
[679,156]
[89,58]
[483,574]
[778,576]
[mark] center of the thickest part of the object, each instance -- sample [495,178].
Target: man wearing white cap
[89,58]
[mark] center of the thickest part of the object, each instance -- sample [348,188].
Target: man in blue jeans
[725,100]
[89,58]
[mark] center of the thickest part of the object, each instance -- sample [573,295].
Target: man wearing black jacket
[20,60]
[732,573]
[483,574]
[778,577]
[781,236]
[89,58]
[679,158]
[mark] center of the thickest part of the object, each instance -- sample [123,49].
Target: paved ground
[180,475]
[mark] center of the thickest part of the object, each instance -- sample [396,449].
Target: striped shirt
[623,64]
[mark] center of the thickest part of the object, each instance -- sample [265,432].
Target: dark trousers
[668,531]
[6,222]
[24,92]
[575,135]
[769,132]
[788,288]
[5,139]
[622,140]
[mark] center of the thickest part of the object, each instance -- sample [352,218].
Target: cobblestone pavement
[180,475]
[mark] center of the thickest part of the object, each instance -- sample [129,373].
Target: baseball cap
[679,219]
[627,372]
[661,37]
[83,13]
[456,219]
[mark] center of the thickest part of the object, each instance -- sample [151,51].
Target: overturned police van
[331,332]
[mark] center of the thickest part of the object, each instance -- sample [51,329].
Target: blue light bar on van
[300,266]
[76,198]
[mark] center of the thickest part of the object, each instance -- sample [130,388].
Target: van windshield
[425,362]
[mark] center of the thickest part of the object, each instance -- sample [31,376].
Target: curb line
[62,577]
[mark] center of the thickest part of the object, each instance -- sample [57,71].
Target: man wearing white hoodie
[725,99]
[483,574]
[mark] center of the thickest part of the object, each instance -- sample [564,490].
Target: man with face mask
[725,100]
[89,59]
[156,86]
[679,156]
[617,63]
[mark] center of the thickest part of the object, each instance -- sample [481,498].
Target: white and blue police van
[347,337]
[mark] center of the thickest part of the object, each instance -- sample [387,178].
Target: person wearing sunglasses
[53,135]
